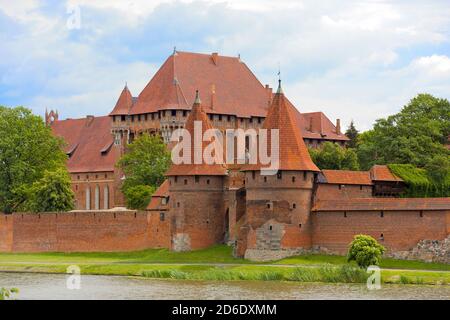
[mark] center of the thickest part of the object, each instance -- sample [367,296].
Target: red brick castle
[300,208]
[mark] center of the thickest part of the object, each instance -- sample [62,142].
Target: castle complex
[299,208]
[232,98]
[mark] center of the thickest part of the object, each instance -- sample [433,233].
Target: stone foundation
[427,250]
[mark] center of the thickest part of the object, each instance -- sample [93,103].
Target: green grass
[220,254]
[216,254]
[317,259]
[217,263]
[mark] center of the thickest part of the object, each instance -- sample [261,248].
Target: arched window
[97,198]
[106,197]
[88,198]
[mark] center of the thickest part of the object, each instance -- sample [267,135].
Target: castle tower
[121,136]
[196,193]
[278,204]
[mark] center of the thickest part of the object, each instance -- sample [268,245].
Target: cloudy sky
[358,60]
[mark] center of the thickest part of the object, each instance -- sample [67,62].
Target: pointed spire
[293,154]
[197,98]
[196,115]
[279,90]
[124,103]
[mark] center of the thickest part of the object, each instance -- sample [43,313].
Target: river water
[50,286]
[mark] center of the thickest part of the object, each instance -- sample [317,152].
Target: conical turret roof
[197,114]
[293,154]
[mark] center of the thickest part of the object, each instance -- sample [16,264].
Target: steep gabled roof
[190,169]
[293,154]
[382,173]
[346,177]
[89,143]
[163,190]
[227,85]
[316,125]
[124,103]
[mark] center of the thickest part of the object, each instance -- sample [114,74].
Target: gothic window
[97,198]
[88,198]
[106,197]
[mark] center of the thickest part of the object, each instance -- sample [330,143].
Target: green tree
[332,156]
[144,164]
[27,150]
[414,135]
[138,197]
[52,193]
[352,134]
[365,251]
[438,169]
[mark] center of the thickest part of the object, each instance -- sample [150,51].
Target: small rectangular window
[197,179]
[161,216]
[174,113]
[279,176]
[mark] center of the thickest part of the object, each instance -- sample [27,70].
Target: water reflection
[45,286]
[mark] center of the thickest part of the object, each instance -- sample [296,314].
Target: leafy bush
[365,251]
[332,156]
[51,193]
[419,183]
[138,197]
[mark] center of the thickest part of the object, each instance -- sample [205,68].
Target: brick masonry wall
[332,191]
[6,233]
[197,212]
[401,230]
[83,231]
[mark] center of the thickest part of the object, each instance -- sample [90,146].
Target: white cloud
[352,59]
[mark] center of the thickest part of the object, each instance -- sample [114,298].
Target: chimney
[338,126]
[213,95]
[269,94]
[89,120]
[215,57]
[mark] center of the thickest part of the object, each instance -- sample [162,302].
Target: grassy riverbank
[217,263]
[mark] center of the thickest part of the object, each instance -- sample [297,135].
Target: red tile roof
[382,173]
[124,103]
[347,177]
[225,81]
[228,87]
[197,114]
[89,143]
[293,154]
[316,125]
[163,190]
[383,204]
